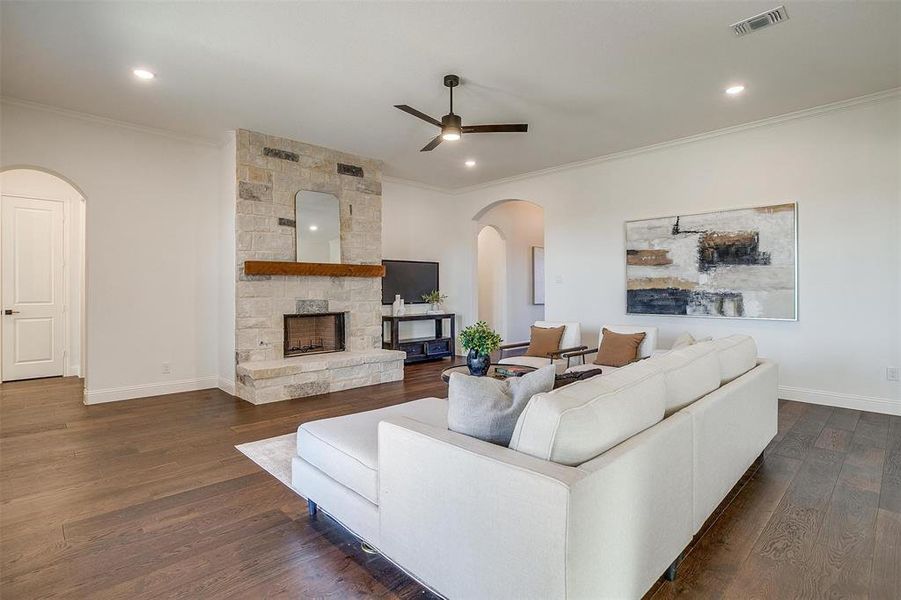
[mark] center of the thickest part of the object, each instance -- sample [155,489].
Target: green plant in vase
[481,340]
[434,298]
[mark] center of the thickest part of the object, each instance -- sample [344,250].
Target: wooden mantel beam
[272,267]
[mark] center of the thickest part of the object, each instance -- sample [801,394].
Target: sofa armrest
[513,349]
[469,518]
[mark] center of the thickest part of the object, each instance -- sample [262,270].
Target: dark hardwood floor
[148,498]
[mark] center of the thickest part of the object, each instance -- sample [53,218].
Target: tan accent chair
[646,349]
[512,354]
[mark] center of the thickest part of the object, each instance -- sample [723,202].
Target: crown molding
[769,121]
[416,184]
[10,101]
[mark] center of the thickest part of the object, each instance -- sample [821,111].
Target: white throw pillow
[686,339]
[487,408]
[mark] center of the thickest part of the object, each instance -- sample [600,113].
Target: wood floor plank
[886,578]
[804,433]
[789,536]
[840,561]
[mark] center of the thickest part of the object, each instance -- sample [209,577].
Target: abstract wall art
[732,263]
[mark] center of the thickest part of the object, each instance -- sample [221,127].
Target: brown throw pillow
[544,340]
[618,349]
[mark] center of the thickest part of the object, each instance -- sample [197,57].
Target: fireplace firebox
[315,333]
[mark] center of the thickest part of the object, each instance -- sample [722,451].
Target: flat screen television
[410,278]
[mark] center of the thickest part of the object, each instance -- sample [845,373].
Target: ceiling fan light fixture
[451,127]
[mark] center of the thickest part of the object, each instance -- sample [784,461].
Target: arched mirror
[318,222]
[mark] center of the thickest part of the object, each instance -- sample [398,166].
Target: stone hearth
[298,376]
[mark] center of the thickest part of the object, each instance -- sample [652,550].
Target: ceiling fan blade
[431,145]
[412,111]
[517,128]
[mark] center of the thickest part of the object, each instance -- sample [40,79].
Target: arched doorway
[43,273]
[492,279]
[517,287]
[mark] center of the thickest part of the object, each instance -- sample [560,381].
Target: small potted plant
[434,298]
[481,340]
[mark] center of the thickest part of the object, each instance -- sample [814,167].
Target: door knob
[10,311]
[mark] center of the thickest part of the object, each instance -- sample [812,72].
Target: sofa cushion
[525,361]
[591,367]
[577,422]
[690,373]
[346,448]
[737,354]
[487,408]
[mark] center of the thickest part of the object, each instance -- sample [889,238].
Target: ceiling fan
[452,125]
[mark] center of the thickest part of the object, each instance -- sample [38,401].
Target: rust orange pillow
[618,349]
[544,340]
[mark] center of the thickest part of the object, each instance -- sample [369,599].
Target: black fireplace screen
[314,333]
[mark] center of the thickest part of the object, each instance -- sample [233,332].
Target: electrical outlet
[893,373]
[167,368]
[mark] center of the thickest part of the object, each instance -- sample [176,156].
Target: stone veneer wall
[270,171]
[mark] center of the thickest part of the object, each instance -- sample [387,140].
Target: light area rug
[273,455]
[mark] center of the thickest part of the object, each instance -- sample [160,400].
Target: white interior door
[33,291]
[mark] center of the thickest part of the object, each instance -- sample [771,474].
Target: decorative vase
[397,307]
[435,308]
[478,363]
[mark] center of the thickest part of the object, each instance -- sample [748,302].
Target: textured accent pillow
[487,408]
[686,339]
[544,340]
[618,349]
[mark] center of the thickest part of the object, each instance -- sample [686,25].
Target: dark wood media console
[425,348]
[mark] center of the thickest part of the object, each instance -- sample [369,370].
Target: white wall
[419,223]
[152,245]
[37,184]
[226,294]
[840,166]
[492,279]
[522,226]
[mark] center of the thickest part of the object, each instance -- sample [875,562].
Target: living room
[688,180]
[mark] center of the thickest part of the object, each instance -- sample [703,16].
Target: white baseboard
[867,403]
[149,389]
[227,385]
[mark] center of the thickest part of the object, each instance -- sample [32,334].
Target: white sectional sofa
[604,484]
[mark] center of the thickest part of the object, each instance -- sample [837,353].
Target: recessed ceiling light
[470,163]
[143,74]
[314,227]
[735,90]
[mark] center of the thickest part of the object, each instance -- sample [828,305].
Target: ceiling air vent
[764,19]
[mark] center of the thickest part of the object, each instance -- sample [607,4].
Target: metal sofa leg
[311,506]
[670,574]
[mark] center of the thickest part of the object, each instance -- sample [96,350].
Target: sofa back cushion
[737,354]
[690,373]
[577,422]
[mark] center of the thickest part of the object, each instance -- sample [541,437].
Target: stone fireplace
[316,333]
[271,366]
